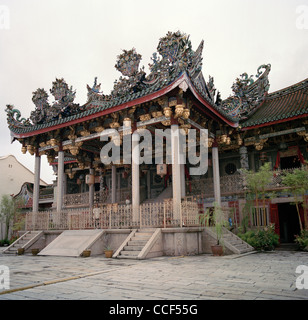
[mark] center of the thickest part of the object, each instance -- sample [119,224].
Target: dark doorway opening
[290,162]
[288,221]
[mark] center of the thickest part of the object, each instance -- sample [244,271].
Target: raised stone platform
[71,243]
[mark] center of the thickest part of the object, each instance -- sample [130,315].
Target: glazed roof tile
[281,105]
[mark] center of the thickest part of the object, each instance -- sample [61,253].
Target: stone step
[137,242]
[140,238]
[126,257]
[143,234]
[132,248]
[242,247]
[132,254]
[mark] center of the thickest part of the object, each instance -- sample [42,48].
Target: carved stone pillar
[135,177]
[176,172]
[36,187]
[113,184]
[60,188]
[244,158]
[91,190]
[216,175]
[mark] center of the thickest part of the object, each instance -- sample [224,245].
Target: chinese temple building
[247,129]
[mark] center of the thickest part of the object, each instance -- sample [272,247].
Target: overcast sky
[79,40]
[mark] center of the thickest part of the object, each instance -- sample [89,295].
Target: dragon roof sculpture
[173,58]
[248,93]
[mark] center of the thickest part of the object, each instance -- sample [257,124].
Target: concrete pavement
[203,277]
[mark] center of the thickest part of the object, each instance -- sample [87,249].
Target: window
[259,217]
[230,168]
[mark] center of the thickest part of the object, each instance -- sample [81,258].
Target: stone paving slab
[269,276]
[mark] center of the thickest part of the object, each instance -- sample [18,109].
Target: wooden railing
[100,197]
[115,216]
[231,184]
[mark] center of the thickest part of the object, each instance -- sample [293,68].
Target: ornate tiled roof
[174,59]
[281,105]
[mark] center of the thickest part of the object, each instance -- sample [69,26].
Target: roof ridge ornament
[249,93]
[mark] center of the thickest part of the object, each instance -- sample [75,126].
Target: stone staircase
[232,242]
[135,244]
[25,241]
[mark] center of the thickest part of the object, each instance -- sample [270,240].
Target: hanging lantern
[161,169]
[90,179]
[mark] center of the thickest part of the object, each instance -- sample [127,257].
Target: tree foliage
[296,182]
[9,211]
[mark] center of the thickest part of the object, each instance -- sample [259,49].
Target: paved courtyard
[204,277]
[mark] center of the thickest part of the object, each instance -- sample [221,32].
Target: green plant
[302,240]
[9,212]
[4,242]
[215,217]
[297,183]
[261,239]
[257,185]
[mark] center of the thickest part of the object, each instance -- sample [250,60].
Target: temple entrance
[290,162]
[288,221]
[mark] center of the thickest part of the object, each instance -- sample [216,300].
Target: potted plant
[86,253]
[108,252]
[215,217]
[35,251]
[20,251]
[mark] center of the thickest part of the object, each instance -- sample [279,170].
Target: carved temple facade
[244,131]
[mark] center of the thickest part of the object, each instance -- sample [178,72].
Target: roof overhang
[182,81]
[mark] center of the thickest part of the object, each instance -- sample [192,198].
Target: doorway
[290,162]
[288,221]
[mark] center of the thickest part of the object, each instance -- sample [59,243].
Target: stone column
[149,184]
[91,190]
[176,173]
[183,183]
[36,187]
[113,184]
[244,158]
[135,176]
[60,188]
[216,175]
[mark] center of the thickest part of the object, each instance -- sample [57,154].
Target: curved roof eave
[137,101]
